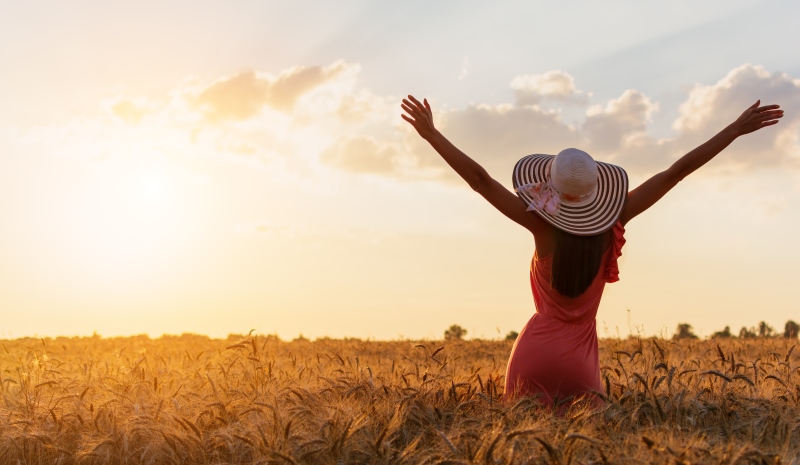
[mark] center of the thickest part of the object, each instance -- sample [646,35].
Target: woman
[577,210]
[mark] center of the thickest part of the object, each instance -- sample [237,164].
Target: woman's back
[556,354]
[582,308]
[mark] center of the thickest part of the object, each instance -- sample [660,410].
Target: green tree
[725,333]
[765,330]
[746,333]
[684,331]
[455,332]
[791,330]
[512,336]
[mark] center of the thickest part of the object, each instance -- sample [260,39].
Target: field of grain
[256,399]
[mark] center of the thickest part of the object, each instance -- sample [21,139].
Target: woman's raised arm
[420,116]
[647,194]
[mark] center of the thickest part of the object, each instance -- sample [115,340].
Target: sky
[216,167]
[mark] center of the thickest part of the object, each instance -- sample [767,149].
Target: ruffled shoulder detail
[612,268]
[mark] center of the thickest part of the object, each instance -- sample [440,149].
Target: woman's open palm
[756,117]
[420,116]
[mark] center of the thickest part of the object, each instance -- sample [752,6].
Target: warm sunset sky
[212,167]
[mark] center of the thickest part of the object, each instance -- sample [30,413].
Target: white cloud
[128,110]
[709,108]
[318,118]
[498,135]
[609,128]
[617,131]
[357,106]
[553,85]
[712,105]
[242,96]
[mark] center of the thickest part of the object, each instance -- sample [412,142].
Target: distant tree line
[683,331]
[790,331]
[456,332]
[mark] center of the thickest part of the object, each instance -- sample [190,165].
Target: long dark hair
[576,261]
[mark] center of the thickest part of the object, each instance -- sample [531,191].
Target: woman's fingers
[760,126]
[411,104]
[412,121]
[756,125]
[414,116]
[761,119]
[413,112]
[424,109]
[416,102]
[766,108]
[420,114]
[756,117]
[414,108]
[409,109]
[770,114]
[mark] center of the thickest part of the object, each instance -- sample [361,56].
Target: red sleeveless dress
[556,354]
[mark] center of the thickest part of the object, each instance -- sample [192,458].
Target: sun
[125,226]
[154,188]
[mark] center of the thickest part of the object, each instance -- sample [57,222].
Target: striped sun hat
[571,191]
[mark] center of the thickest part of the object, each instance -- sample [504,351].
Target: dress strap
[612,268]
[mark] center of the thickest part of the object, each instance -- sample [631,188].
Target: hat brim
[594,217]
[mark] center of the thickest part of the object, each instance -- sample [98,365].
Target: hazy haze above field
[214,167]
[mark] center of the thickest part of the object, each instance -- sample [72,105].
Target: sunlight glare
[154,188]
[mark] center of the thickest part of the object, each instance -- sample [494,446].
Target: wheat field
[257,399]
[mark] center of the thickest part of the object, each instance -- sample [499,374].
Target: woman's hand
[755,118]
[420,116]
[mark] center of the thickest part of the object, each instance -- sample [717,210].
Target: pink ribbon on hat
[543,197]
